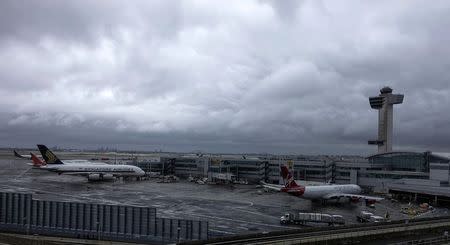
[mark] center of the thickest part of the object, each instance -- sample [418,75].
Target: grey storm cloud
[234,76]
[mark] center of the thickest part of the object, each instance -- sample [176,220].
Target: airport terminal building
[417,174]
[396,172]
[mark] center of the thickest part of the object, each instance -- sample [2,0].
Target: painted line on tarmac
[241,221]
[255,213]
[224,232]
[394,211]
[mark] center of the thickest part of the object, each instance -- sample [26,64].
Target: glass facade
[406,161]
[252,170]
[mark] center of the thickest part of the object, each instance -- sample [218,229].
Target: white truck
[376,219]
[368,217]
[302,218]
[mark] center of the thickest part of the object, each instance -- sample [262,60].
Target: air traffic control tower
[384,104]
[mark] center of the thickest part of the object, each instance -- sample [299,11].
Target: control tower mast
[384,104]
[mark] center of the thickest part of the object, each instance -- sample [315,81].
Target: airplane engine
[94,177]
[108,177]
[354,199]
[370,202]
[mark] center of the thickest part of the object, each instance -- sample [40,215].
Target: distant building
[419,174]
[376,171]
[424,176]
[250,169]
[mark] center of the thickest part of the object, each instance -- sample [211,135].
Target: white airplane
[21,156]
[91,171]
[320,192]
[74,161]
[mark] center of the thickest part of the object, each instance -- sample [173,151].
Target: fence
[20,213]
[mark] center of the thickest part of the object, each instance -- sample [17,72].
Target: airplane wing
[353,196]
[271,186]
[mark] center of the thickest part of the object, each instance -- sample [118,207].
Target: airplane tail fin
[16,154]
[287,177]
[49,156]
[36,161]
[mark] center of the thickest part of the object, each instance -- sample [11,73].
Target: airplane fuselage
[86,169]
[320,191]
[77,161]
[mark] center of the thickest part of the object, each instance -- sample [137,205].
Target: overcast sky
[223,76]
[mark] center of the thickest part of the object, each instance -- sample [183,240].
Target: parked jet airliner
[320,192]
[91,171]
[74,161]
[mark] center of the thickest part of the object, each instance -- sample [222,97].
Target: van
[376,219]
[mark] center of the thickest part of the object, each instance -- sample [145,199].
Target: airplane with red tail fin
[320,192]
[40,158]
[16,154]
[36,161]
[93,172]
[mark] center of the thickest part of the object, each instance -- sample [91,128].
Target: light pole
[98,230]
[25,219]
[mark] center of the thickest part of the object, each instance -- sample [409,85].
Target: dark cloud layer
[240,76]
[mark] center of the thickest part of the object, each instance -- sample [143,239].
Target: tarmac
[229,210]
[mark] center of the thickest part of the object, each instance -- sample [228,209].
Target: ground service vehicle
[376,219]
[303,218]
[365,217]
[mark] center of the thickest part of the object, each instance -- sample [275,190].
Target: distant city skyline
[232,77]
